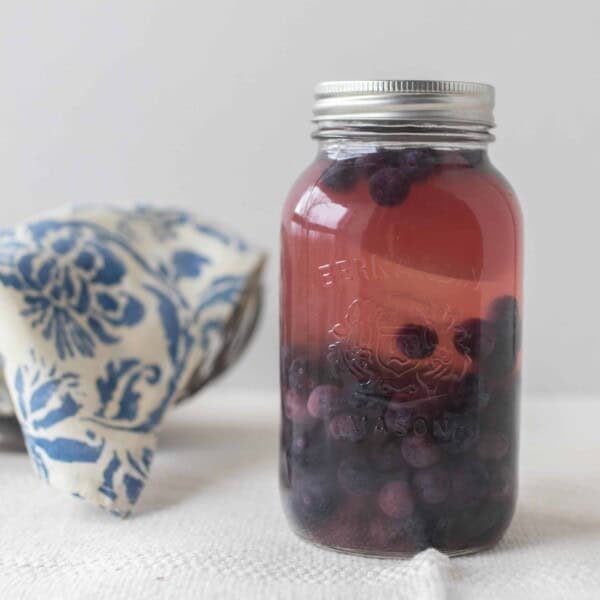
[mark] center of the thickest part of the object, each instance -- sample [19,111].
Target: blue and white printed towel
[108,317]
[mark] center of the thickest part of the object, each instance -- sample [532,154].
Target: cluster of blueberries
[390,173]
[395,473]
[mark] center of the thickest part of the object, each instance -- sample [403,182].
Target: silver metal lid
[405,101]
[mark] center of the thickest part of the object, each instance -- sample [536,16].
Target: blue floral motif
[124,398]
[130,472]
[70,284]
[46,398]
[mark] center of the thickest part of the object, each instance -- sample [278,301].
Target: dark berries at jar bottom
[381,471]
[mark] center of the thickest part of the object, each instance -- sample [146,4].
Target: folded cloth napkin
[109,317]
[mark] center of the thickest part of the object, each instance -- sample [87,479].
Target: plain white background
[206,105]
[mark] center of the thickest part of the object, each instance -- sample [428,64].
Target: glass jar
[401,311]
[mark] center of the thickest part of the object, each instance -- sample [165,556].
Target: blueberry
[307,449]
[340,176]
[356,476]
[470,483]
[417,341]
[314,496]
[405,416]
[467,528]
[389,186]
[396,500]
[504,316]
[366,403]
[348,427]
[470,394]
[390,535]
[432,485]
[492,446]
[502,414]
[347,527]
[419,451]
[418,162]
[388,457]
[294,407]
[324,401]
[299,378]
[370,163]
[474,338]
[456,432]
[474,158]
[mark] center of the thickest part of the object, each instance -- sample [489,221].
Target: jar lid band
[404,101]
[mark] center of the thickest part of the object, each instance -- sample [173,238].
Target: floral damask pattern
[112,310]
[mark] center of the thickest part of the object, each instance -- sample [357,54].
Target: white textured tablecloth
[210,525]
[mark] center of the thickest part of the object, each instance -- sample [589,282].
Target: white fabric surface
[210,524]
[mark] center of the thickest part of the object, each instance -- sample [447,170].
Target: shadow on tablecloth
[553,511]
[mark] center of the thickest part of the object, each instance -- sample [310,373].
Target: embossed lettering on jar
[401,310]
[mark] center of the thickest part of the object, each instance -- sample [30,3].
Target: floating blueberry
[470,483]
[456,432]
[417,341]
[356,476]
[372,162]
[492,446]
[419,451]
[473,158]
[324,401]
[418,162]
[389,186]
[340,176]
[348,427]
[474,338]
[432,485]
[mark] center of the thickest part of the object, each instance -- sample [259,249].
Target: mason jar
[401,304]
